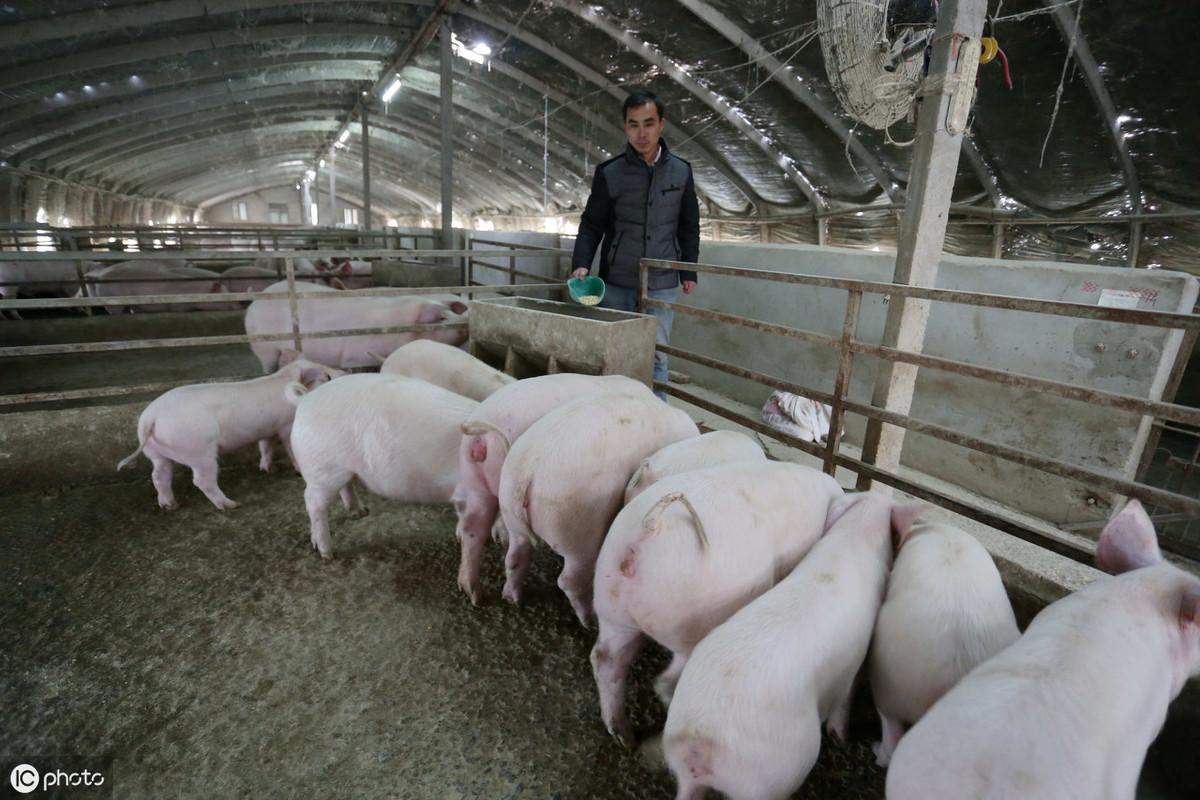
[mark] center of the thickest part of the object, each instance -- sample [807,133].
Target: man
[642,205]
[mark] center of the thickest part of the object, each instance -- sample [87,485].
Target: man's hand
[688,286]
[582,272]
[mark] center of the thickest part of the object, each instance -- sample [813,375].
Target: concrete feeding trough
[530,337]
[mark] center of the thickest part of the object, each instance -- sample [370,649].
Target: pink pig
[398,436]
[946,611]
[564,481]
[1071,707]
[746,716]
[192,425]
[487,435]
[707,450]
[446,366]
[153,277]
[347,312]
[688,552]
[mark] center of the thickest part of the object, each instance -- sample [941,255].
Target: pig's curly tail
[478,427]
[652,522]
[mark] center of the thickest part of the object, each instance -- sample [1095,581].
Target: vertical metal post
[315,191]
[290,266]
[643,285]
[1135,242]
[950,87]
[998,240]
[333,218]
[841,386]
[822,231]
[306,203]
[366,151]
[512,270]
[73,246]
[447,119]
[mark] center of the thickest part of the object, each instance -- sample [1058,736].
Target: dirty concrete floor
[214,655]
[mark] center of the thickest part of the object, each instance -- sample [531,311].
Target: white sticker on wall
[1119,298]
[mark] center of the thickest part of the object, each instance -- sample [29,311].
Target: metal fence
[293,294]
[476,260]
[1182,504]
[27,237]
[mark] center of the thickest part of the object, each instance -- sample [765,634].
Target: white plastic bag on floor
[797,416]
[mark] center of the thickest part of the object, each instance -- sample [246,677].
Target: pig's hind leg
[616,647]
[264,455]
[479,513]
[575,580]
[204,475]
[318,495]
[160,475]
[893,731]
[668,679]
[516,566]
[351,502]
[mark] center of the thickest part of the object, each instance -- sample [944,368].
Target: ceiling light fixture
[391,90]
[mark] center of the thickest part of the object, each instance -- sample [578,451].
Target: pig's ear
[216,288]
[1128,541]
[431,313]
[345,270]
[286,357]
[1189,607]
[313,377]
[457,306]
[903,519]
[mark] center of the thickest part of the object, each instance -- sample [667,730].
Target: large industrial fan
[875,54]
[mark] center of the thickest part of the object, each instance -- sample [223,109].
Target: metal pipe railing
[511,270]
[292,296]
[1062,546]
[847,346]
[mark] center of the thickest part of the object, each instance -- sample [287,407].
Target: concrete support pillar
[447,115]
[942,116]
[366,161]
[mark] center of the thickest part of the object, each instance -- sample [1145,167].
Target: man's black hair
[640,97]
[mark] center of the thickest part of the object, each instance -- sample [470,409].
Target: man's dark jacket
[640,211]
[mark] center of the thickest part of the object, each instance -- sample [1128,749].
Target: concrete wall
[552,266]
[1121,358]
[258,207]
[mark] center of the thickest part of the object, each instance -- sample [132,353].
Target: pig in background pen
[41,278]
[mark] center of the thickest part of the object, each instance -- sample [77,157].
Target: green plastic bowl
[589,287]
